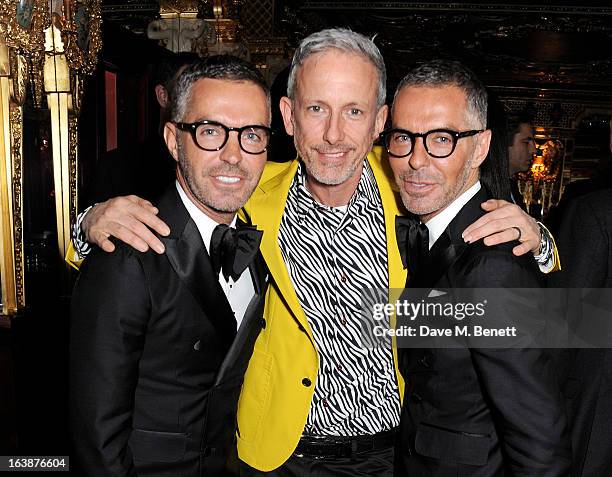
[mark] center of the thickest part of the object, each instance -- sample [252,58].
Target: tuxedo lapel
[441,256]
[190,261]
[450,245]
[468,214]
[252,316]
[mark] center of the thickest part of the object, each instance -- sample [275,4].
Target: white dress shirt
[438,224]
[238,293]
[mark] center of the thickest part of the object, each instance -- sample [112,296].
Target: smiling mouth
[228,179]
[415,186]
[332,155]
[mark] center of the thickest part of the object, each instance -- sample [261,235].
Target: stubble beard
[223,202]
[332,175]
[416,206]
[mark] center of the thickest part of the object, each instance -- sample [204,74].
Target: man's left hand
[500,225]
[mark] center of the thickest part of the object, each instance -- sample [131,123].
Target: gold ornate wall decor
[72,43]
[22,25]
[80,26]
[73,169]
[52,44]
[178,28]
[19,73]
[21,55]
[270,55]
[538,183]
[76,94]
[8,296]
[16,121]
[57,87]
[178,6]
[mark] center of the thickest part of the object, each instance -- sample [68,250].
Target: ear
[381,119]
[286,108]
[162,96]
[170,133]
[483,141]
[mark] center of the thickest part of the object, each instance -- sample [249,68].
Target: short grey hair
[346,41]
[438,73]
[223,67]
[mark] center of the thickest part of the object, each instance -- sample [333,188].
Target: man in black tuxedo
[160,343]
[585,246]
[476,412]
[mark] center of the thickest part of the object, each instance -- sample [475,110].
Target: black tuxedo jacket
[480,412]
[156,361]
[585,248]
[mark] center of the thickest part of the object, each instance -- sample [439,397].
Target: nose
[334,131]
[532,148]
[231,152]
[419,157]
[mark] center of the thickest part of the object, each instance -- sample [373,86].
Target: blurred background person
[146,168]
[521,148]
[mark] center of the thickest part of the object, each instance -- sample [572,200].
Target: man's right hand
[125,218]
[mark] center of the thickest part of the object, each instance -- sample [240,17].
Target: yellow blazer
[276,397]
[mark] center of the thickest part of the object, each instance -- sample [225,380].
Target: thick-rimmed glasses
[212,136]
[439,143]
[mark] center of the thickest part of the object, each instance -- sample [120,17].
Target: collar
[203,222]
[366,190]
[440,222]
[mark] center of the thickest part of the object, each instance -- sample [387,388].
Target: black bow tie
[232,250]
[413,241]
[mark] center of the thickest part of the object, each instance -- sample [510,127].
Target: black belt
[339,446]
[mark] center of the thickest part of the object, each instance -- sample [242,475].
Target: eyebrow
[445,126]
[353,104]
[203,119]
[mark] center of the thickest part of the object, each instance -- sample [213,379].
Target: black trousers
[378,463]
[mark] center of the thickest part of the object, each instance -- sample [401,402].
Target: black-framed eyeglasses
[439,143]
[212,136]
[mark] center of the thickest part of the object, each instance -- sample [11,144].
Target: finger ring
[519,231]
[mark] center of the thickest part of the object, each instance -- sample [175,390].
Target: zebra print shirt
[332,255]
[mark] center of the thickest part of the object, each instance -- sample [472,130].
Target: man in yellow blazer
[279,385]
[313,398]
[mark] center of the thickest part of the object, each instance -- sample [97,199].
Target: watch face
[81,19]
[25,10]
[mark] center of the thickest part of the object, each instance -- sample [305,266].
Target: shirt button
[325,403]
[306,382]
[343,321]
[339,367]
[343,278]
